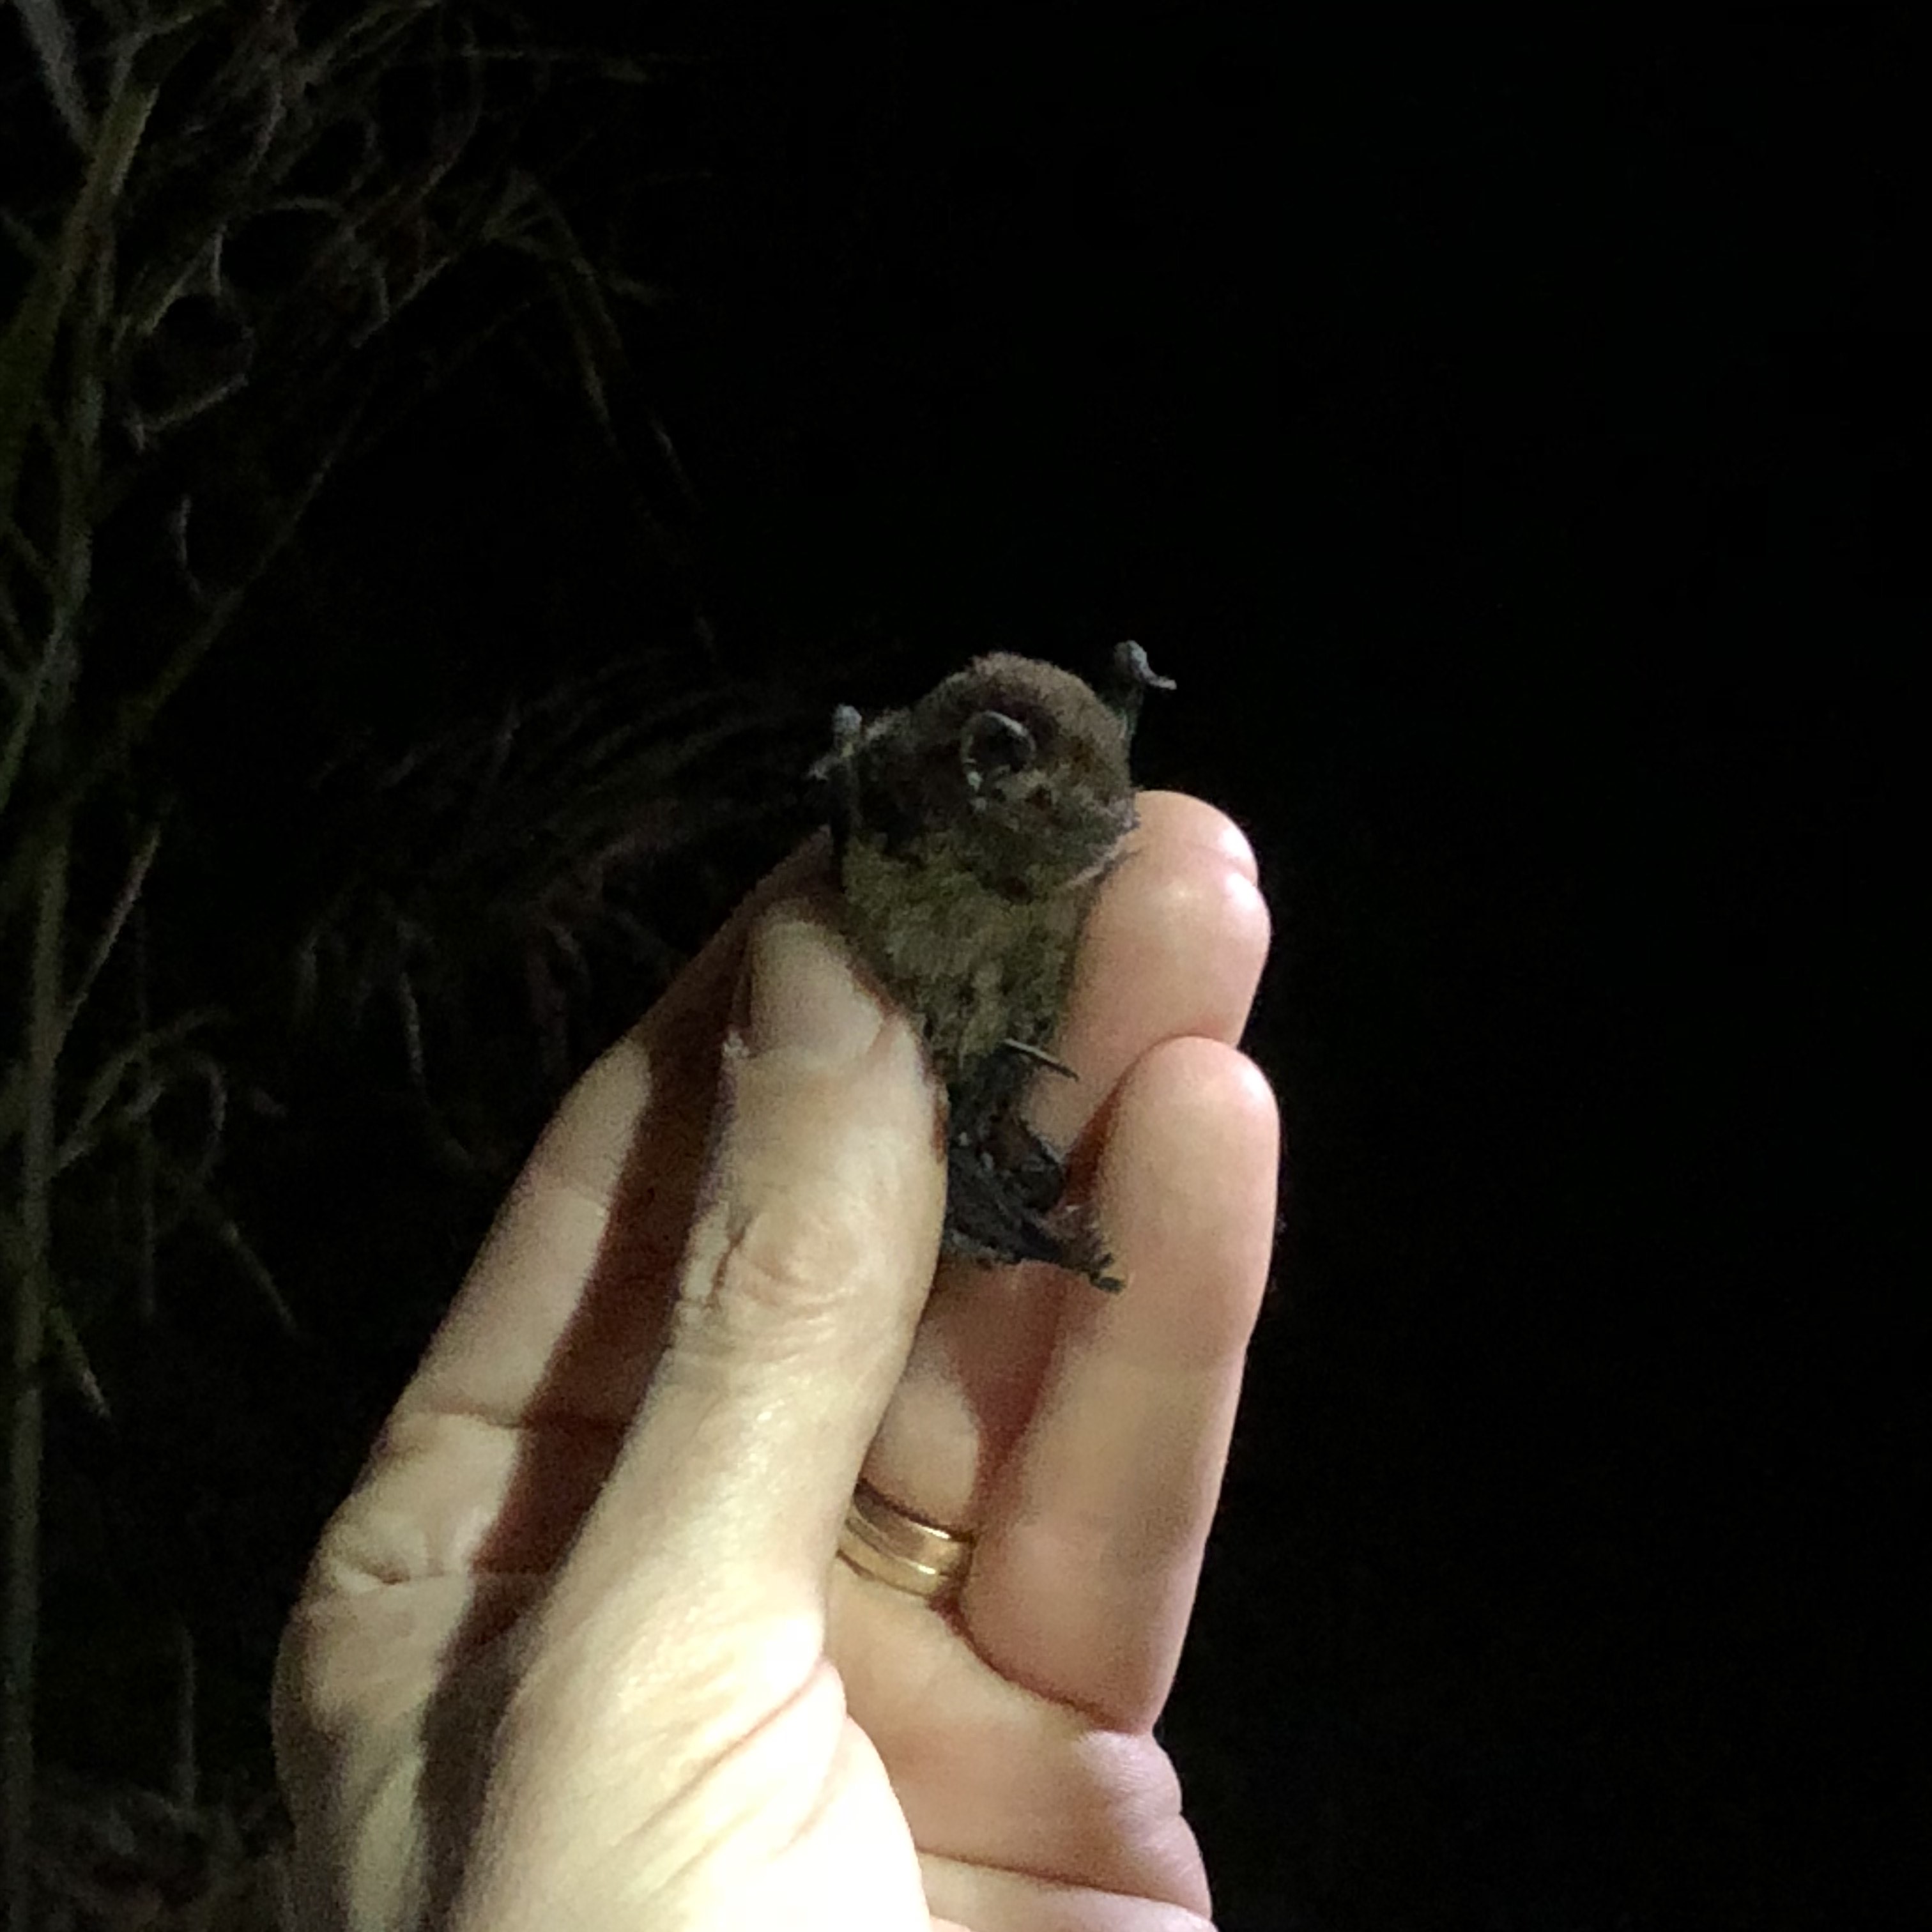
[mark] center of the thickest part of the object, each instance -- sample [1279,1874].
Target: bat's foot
[1085,1251]
[986,1221]
[1004,1181]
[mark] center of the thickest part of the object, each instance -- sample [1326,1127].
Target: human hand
[577,1652]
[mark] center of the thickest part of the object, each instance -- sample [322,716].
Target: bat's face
[1012,769]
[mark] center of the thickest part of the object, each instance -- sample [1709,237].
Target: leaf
[72,1357]
[203,1207]
[138,1058]
[117,918]
[53,41]
[27,346]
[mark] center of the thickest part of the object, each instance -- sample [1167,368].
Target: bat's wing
[1003,1205]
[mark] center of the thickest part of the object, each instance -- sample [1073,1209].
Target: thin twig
[20,1615]
[13,756]
[117,917]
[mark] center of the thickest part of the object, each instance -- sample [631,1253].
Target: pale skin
[577,1652]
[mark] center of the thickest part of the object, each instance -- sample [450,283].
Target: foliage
[243,242]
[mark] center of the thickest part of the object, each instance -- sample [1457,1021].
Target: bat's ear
[993,746]
[1129,679]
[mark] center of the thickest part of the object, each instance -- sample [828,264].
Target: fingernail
[799,994]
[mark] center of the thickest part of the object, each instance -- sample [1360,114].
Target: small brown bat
[972,832]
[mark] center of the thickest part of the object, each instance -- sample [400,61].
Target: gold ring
[882,1541]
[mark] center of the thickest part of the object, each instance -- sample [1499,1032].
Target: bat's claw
[1038,1056]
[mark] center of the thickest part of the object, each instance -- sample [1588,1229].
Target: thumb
[810,1258]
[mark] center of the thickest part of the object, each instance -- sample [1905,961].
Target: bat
[972,831]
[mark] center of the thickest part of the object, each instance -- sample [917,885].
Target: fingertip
[1179,817]
[1187,1188]
[1175,947]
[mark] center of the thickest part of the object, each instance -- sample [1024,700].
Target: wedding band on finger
[889,1544]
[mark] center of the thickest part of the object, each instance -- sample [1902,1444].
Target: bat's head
[1014,769]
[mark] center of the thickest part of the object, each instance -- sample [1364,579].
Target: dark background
[1515,453]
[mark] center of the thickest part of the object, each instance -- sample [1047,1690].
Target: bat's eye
[993,745]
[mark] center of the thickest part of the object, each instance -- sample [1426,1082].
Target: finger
[810,1255]
[560,1314]
[1082,1582]
[1174,949]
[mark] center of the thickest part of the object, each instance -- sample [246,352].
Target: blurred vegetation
[330,849]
